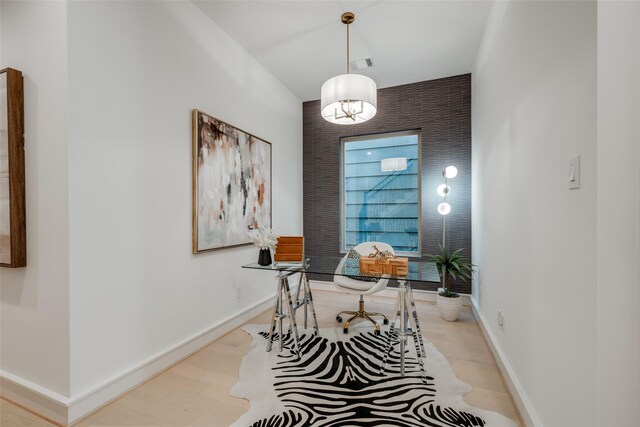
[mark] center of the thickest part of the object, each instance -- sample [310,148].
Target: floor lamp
[443,190]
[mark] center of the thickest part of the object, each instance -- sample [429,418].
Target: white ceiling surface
[303,43]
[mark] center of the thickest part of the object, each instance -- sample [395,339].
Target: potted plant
[450,265]
[266,240]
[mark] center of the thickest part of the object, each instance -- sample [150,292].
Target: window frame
[373,136]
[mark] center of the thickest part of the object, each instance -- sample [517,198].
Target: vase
[264,257]
[449,307]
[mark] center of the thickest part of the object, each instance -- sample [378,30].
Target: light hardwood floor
[196,390]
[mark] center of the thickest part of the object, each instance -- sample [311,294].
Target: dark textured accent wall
[441,110]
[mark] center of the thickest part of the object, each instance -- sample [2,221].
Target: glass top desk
[404,310]
[419,271]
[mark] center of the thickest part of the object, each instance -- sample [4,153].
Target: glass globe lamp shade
[450,172]
[443,190]
[348,99]
[444,208]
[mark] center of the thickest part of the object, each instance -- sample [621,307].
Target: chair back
[353,286]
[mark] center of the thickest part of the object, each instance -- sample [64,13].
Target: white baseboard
[65,411]
[528,413]
[39,400]
[419,295]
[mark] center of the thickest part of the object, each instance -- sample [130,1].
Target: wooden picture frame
[231,183]
[13,230]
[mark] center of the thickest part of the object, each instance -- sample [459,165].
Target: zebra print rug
[337,382]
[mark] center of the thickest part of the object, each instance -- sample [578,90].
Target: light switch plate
[574,172]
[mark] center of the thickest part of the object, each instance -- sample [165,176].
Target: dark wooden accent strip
[17,200]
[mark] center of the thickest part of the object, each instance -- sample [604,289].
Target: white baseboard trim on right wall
[528,413]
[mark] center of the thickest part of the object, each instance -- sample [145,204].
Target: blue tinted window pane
[381,205]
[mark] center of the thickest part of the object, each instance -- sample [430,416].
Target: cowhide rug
[337,382]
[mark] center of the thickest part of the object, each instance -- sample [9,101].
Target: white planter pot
[449,307]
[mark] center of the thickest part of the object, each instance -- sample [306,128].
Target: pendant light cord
[347,48]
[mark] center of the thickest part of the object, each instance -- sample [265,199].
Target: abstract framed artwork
[13,235]
[231,184]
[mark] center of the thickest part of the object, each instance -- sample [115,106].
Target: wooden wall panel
[17,204]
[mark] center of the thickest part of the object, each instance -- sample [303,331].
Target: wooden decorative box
[289,249]
[380,266]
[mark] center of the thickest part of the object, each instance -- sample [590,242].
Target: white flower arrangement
[264,238]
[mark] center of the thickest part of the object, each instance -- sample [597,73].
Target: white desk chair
[360,287]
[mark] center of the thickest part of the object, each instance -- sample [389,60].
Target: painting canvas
[231,184]
[5,224]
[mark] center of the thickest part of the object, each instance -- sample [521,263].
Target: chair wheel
[339,319]
[376,332]
[345,330]
[385,321]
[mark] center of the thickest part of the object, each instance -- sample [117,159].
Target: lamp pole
[444,208]
[444,231]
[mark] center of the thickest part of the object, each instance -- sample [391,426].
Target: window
[381,191]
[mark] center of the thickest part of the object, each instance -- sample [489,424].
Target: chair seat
[355,286]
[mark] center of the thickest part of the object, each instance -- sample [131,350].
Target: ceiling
[303,43]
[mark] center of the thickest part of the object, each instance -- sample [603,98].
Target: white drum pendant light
[348,99]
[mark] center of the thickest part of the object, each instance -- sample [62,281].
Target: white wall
[534,106]
[35,300]
[136,70]
[618,371]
